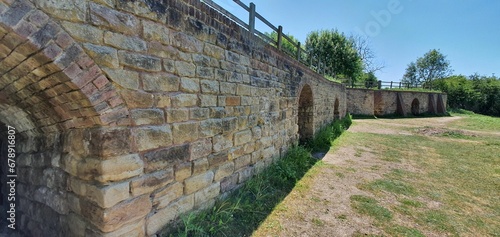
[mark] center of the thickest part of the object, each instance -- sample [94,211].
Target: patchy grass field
[400,177]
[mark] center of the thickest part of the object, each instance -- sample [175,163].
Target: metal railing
[386,85]
[300,54]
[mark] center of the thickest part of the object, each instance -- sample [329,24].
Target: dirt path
[323,207]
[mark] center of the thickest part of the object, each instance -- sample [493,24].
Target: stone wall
[387,102]
[131,113]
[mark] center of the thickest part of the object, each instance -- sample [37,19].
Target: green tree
[286,45]
[336,51]
[433,65]
[369,79]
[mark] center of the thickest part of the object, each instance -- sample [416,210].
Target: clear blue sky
[399,31]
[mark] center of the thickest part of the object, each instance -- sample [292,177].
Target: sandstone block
[206,194]
[111,219]
[228,88]
[222,142]
[156,32]
[160,219]
[165,158]
[208,100]
[71,11]
[125,78]
[215,160]
[177,115]
[147,116]
[137,99]
[103,196]
[200,165]
[182,171]
[201,148]
[119,168]
[164,82]
[164,197]
[190,85]
[242,137]
[151,137]
[126,42]
[110,18]
[245,174]
[242,161]
[185,69]
[233,100]
[140,61]
[102,55]
[244,90]
[198,113]
[214,51]
[195,183]
[229,183]
[184,100]
[209,87]
[187,43]
[224,170]
[185,132]
[150,182]
[205,72]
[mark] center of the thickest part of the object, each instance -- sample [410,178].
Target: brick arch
[49,89]
[336,112]
[47,74]
[415,107]
[306,113]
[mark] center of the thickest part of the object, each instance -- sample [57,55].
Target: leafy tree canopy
[336,51]
[433,65]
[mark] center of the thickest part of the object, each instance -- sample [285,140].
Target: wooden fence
[386,85]
[300,54]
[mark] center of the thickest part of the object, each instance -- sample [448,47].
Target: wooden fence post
[251,18]
[280,36]
[391,84]
[379,84]
[399,85]
[298,51]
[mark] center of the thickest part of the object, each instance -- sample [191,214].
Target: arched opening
[306,114]
[415,107]
[336,112]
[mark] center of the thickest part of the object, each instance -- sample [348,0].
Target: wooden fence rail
[312,61]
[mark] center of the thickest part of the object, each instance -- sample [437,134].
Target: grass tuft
[369,206]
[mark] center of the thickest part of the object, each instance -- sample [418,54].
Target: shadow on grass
[242,211]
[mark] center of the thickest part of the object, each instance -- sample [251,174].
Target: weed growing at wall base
[242,211]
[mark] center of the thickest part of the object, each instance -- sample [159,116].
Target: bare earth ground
[323,206]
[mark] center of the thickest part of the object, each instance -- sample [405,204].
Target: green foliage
[433,65]
[390,185]
[325,137]
[242,211]
[480,94]
[289,47]
[369,79]
[336,51]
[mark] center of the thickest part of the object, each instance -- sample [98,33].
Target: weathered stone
[163,82]
[135,228]
[119,168]
[222,142]
[147,116]
[177,115]
[164,197]
[111,219]
[233,100]
[110,18]
[205,72]
[201,148]
[52,198]
[125,78]
[182,171]
[104,196]
[244,90]
[210,127]
[140,61]
[106,142]
[102,55]
[187,43]
[126,42]
[229,183]
[66,10]
[209,86]
[184,100]
[137,99]
[185,132]
[214,51]
[198,182]
[242,161]
[215,160]
[185,69]
[156,32]
[245,174]
[147,138]
[198,113]
[208,100]
[161,218]
[206,194]
[224,170]
[150,182]
[76,225]
[200,165]
[165,158]
[242,137]
[190,85]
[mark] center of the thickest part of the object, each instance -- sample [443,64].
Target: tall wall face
[386,102]
[176,105]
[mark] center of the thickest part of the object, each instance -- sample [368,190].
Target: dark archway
[306,114]
[336,112]
[415,107]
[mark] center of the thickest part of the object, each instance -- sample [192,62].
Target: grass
[456,191]
[369,206]
[243,210]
